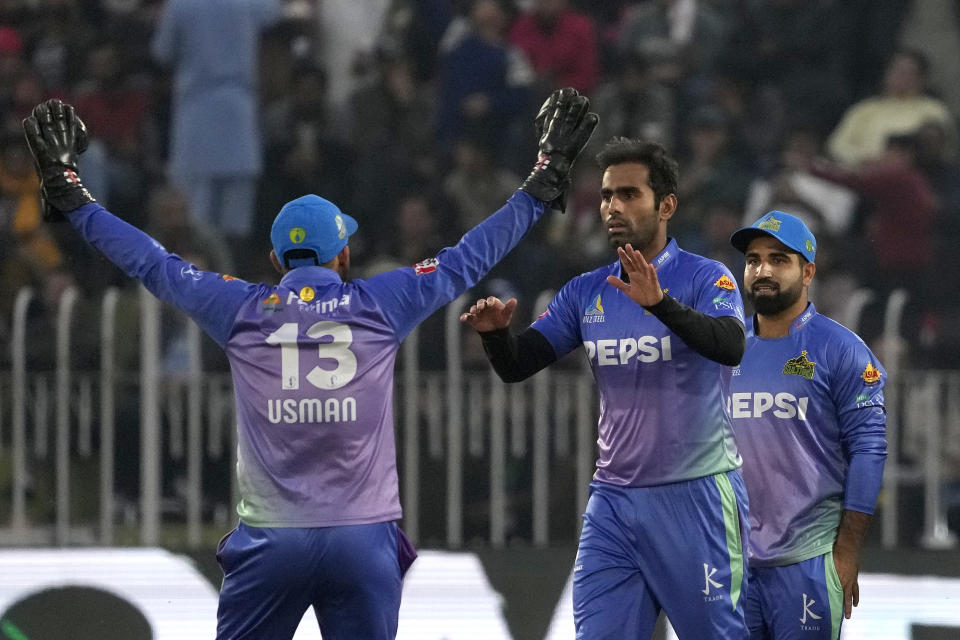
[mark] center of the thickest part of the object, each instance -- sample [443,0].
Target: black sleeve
[720,339]
[516,358]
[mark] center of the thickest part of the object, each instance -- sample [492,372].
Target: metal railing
[481,462]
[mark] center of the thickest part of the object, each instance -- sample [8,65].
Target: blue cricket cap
[313,223]
[788,229]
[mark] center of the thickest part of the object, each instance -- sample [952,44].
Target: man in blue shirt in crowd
[312,361]
[807,407]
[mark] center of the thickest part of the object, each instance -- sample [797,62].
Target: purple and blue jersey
[809,418]
[663,411]
[312,361]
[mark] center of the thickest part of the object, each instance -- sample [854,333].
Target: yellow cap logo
[809,245]
[297,235]
[770,224]
[307,294]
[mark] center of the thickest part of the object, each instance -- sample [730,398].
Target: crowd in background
[414,116]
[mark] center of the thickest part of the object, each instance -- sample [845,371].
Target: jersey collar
[803,319]
[799,323]
[309,275]
[668,255]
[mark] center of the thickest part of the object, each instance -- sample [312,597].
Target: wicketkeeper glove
[564,125]
[56,135]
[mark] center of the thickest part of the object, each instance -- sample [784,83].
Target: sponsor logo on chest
[755,404]
[623,351]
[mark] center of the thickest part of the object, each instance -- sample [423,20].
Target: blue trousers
[676,547]
[795,601]
[352,575]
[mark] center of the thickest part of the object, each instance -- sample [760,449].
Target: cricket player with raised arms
[312,360]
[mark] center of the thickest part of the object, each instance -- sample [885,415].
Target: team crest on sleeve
[871,374]
[427,266]
[228,278]
[190,271]
[799,366]
[307,294]
[725,283]
[272,303]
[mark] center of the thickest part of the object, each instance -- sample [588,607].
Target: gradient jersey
[312,362]
[663,409]
[809,419]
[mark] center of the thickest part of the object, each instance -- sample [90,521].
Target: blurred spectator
[901,107]
[680,38]
[414,28]
[633,103]
[60,36]
[417,234]
[303,155]
[169,222]
[12,63]
[23,236]
[873,28]
[720,220]
[115,108]
[484,82]
[900,211]
[560,43]
[42,324]
[794,48]
[825,207]
[940,332]
[349,31]
[215,155]
[477,186]
[576,240]
[392,140]
[712,173]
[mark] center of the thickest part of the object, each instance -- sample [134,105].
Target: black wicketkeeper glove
[56,135]
[564,125]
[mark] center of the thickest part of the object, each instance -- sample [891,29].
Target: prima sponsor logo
[319,306]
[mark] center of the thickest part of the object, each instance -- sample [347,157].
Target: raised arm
[56,135]
[411,294]
[514,358]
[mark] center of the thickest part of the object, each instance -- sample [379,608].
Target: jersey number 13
[287,336]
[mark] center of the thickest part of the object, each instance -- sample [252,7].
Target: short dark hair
[663,168]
